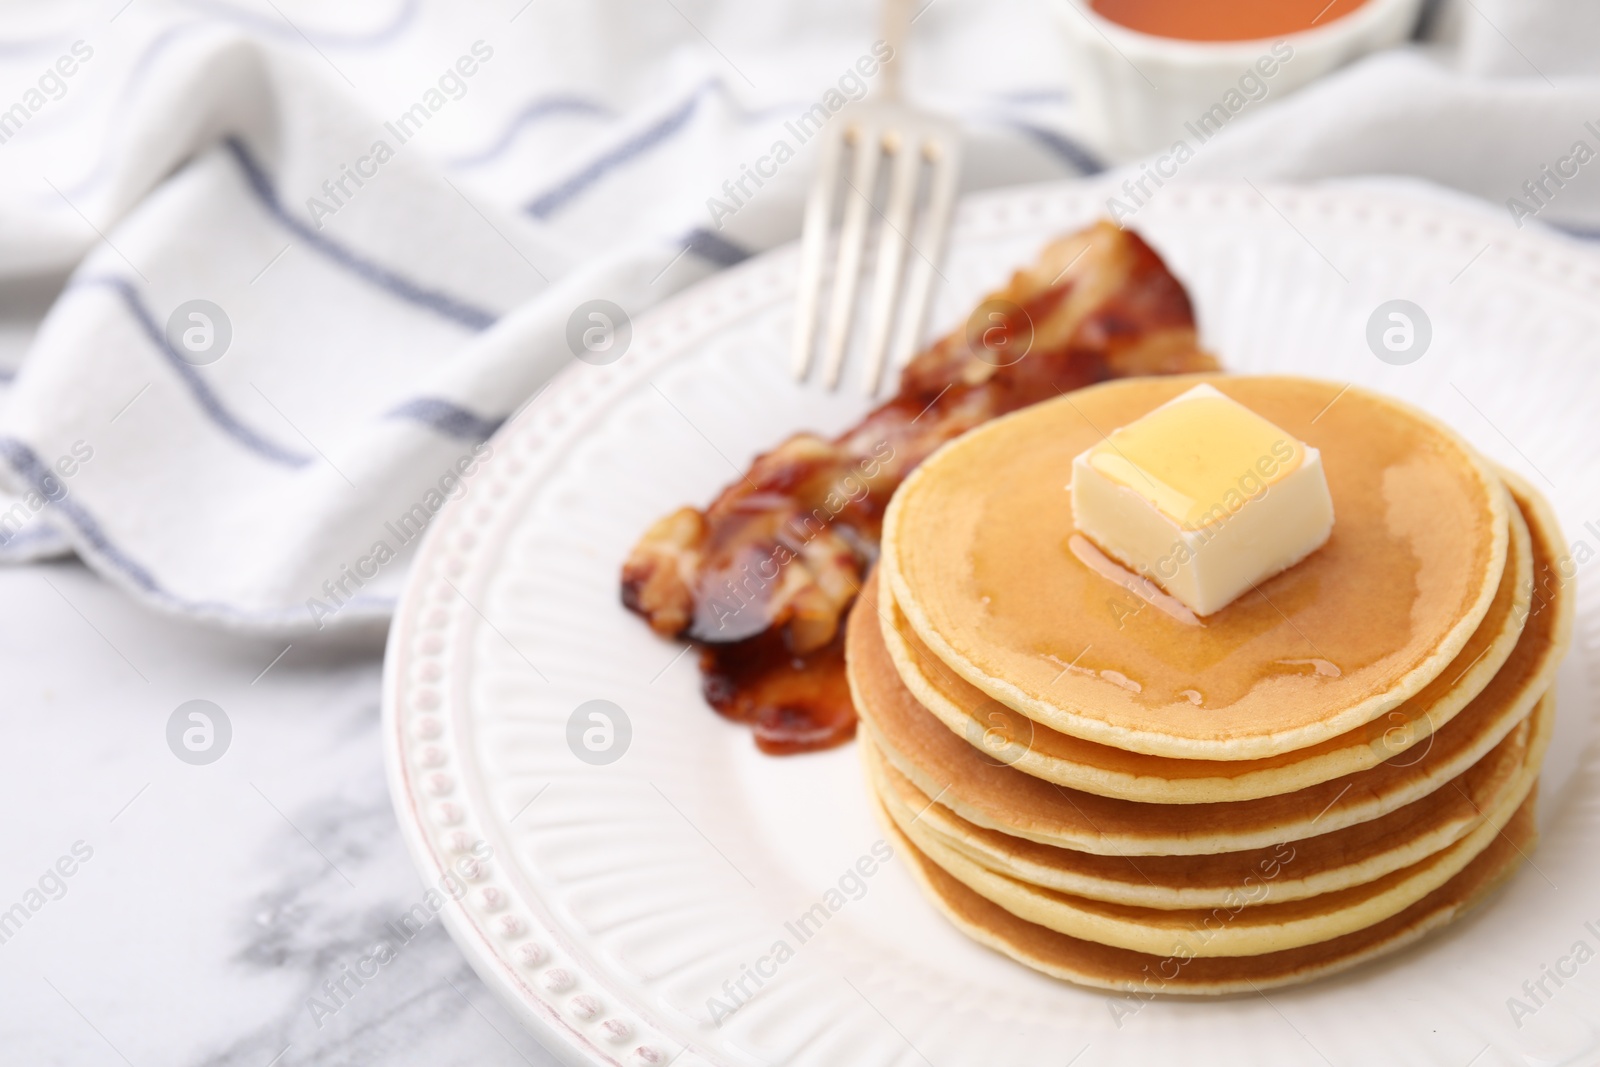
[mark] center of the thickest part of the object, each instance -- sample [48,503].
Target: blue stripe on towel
[715,248]
[1576,229]
[449,307]
[95,542]
[548,203]
[567,104]
[203,394]
[452,420]
[1065,147]
[47,485]
[544,108]
[27,539]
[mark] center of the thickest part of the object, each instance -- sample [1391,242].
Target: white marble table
[216,900]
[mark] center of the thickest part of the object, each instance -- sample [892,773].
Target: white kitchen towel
[270,277]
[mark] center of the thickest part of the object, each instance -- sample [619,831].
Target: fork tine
[944,157]
[891,254]
[851,239]
[813,245]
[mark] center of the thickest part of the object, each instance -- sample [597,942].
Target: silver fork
[913,143]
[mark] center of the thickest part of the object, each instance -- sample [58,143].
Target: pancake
[995,796]
[975,553]
[1245,926]
[1321,864]
[1045,753]
[1144,976]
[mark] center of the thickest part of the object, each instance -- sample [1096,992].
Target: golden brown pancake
[1144,975]
[1255,924]
[1095,768]
[993,795]
[1286,871]
[975,553]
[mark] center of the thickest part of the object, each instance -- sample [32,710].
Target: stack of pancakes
[1118,793]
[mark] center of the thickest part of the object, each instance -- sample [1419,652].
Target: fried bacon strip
[763,578]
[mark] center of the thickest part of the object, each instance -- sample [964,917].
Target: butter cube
[1203,497]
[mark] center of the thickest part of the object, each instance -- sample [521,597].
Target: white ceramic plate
[619,899]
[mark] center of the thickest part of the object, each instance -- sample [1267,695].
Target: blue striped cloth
[387,219]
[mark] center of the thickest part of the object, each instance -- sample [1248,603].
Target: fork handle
[895,26]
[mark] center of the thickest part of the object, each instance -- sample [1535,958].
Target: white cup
[1135,92]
